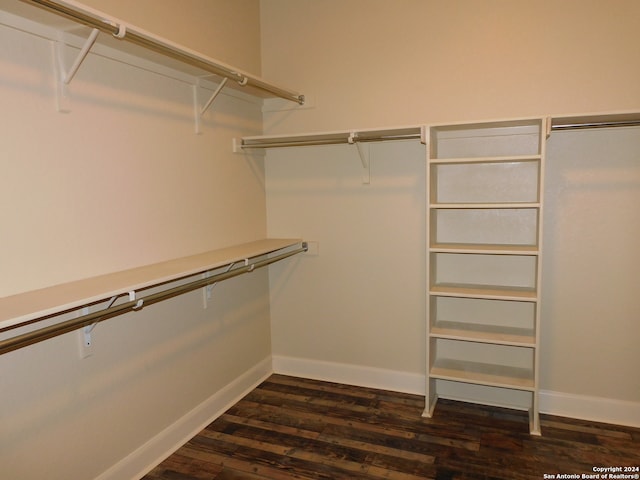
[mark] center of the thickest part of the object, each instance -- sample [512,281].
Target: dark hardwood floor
[297,428]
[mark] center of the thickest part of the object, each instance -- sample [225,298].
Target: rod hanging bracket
[122,31]
[132,298]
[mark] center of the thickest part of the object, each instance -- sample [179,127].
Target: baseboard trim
[137,464]
[350,374]
[597,409]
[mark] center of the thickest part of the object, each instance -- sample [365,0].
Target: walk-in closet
[433,198]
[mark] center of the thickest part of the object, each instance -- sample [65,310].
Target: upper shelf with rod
[351,137]
[415,132]
[72,16]
[329,138]
[581,122]
[20,310]
[25,307]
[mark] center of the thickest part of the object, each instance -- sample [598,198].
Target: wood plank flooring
[305,429]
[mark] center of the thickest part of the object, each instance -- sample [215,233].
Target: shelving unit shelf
[484,231]
[483,374]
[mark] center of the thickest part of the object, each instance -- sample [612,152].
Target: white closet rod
[45,333]
[274,143]
[191,58]
[585,125]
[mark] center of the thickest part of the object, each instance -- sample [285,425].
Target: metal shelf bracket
[64,77]
[364,153]
[200,111]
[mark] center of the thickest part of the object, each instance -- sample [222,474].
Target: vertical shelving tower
[484,232]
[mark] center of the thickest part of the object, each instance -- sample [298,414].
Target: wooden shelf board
[493,334]
[483,374]
[495,249]
[27,306]
[484,291]
[500,159]
[477,206]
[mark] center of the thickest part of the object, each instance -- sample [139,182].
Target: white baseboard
[350,374]
[597,409]
[153,452]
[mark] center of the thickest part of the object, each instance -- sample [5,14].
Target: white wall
[360,301]
[590,288]
[121,181]
[355,312]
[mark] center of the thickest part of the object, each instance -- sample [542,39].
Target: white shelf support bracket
[85,337]
[63,77]
[206,291]
[81,56]
[213,96]
[199,112]
[423,134]
[364,154]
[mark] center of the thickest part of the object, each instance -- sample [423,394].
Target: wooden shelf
[488,249]
[492,292]
[483,374]
[484,230]
[485,205]
[27,306]
[497,159]
[493,334]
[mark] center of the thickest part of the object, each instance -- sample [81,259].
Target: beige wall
[121,181]
[369,63]
[227,30]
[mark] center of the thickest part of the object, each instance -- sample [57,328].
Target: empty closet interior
[447,233]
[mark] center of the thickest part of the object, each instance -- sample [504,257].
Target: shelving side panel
[431,396]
